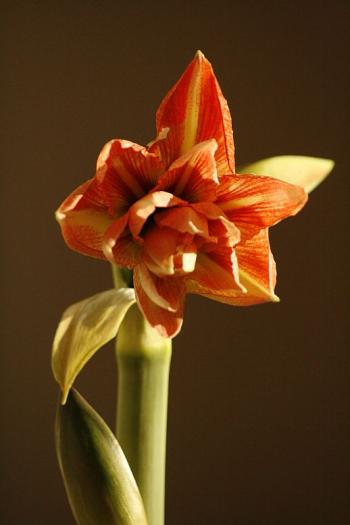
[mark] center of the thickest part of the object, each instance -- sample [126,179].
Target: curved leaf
[99,483]
[307,172]
[83,329]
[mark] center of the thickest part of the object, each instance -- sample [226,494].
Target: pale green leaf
[307,172]
[100,486]
[83,329]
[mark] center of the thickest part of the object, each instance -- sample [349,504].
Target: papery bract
[177,213]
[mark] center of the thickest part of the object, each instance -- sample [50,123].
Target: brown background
[259,401]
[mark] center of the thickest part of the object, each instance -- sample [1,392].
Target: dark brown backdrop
[259,401]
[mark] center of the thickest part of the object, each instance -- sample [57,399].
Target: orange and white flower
[177,213]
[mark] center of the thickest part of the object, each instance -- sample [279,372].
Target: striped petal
[195,110]
[169,252]
[167,321]
[219,225]
[251,201]
[119,245]
[307,172]
[83,223]
[164,292]
[257,273]
[126,172]
[143,209]
[226,233]
[184,220]
[257,269]
[208,209]
[126,252]
[193,176]
[216,272]
[160,245]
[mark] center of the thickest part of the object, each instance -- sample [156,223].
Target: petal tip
[59,215]
[199,55]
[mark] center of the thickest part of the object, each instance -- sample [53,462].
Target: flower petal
[168,323]
[143,209]
[257,273]
[184,220]
[83,223]
[83,329]
[166,292]
[307,172]
[208,209]
[249,200]
[257,268]
[195,110]
[160,245]
[126,252]
[216,272]
[169,252]
[119,245]
[127,171]
[193,176]
[226,233]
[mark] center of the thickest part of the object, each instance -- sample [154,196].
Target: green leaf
[307,172]
[99,483]
[83,329]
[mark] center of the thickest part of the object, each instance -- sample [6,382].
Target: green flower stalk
[143,358]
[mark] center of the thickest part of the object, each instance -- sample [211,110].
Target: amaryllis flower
[177,213]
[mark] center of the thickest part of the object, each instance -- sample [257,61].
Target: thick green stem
[143,366]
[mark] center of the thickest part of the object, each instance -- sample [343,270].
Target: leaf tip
[329,165]
[64,395]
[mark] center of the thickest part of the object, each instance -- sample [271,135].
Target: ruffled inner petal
[193,176]
[169,252]
[119,245]
[167,322]
[125,173]
[166,293]
[184,220]
[216,272]
[257,273]
[145,207]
